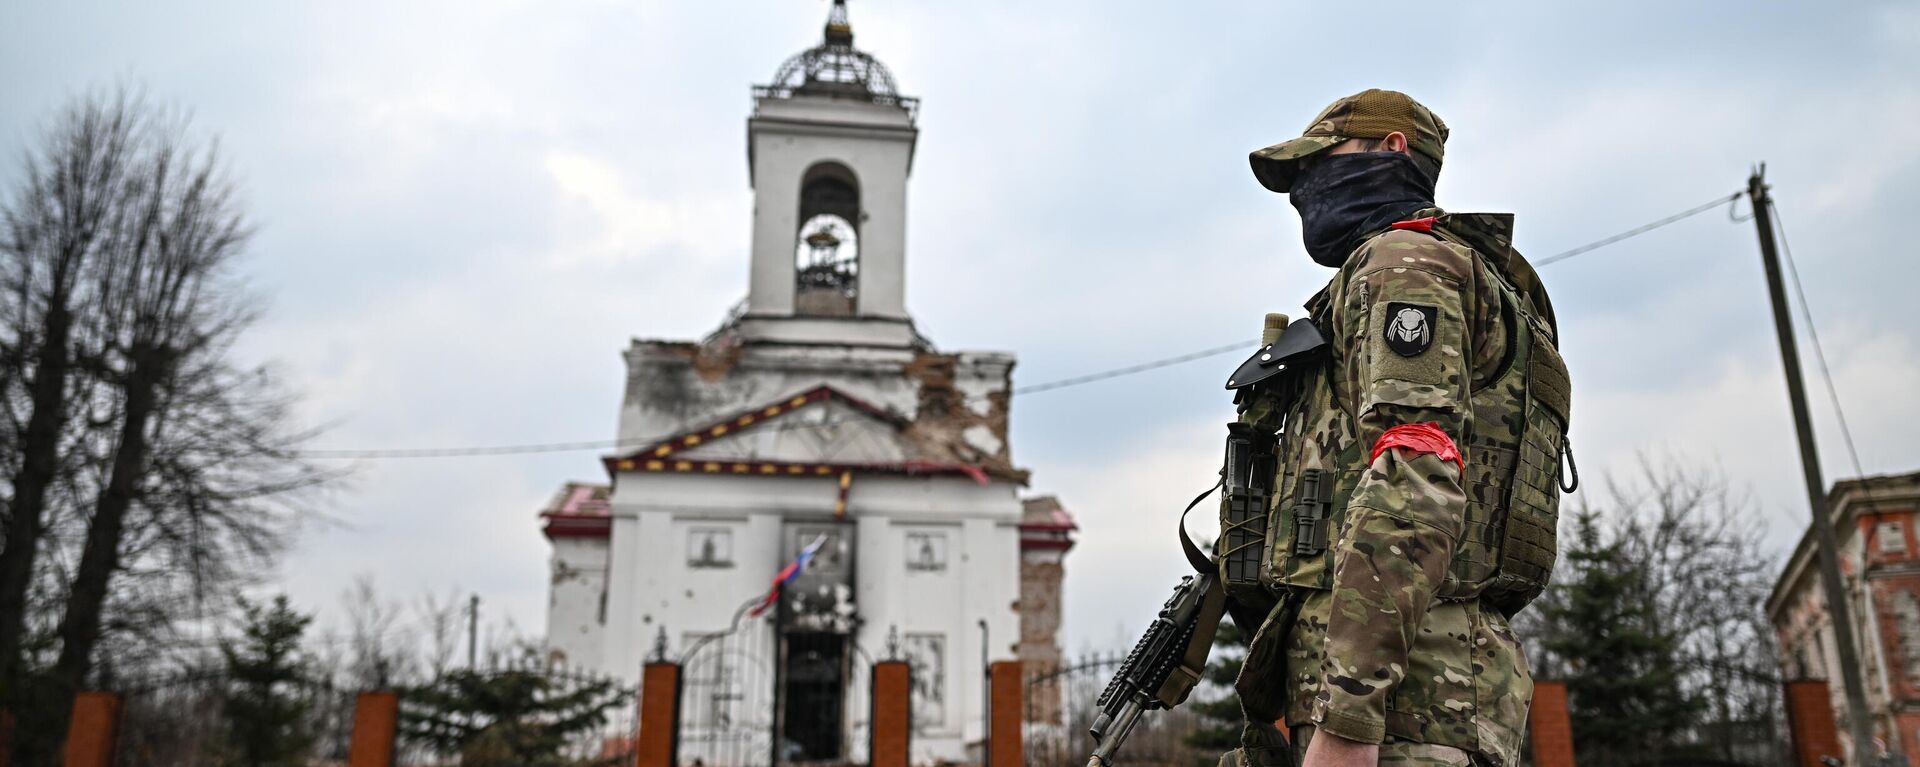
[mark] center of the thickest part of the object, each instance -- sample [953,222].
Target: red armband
[1420,438]
[1415,224]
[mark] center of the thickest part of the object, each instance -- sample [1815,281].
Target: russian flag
[787,574]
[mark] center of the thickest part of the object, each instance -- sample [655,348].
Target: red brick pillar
[891,736]
[659,716]
[96,723]
[1549,728]
[1810,719]
[1008,710]
[6,738]
[376,720]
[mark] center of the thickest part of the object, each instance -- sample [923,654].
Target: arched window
[827,247]
[1906,629]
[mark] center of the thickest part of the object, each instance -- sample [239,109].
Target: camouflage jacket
[1369,648]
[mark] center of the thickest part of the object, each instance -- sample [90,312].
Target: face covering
[1344,197]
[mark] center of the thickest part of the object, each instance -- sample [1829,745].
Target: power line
[461,452]
[554,447]
[1639,230]
[1561,256]
[1813,335]
[548,447]
[1131,369]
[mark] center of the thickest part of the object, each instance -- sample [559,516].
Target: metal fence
[183,721]
[608,739]
[187,720]
[1061,706]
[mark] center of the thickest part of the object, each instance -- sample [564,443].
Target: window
[926,552]
[1906,628]
[709,547]
[1892,537]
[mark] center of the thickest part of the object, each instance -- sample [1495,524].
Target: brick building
[1873,521]
[1046,533]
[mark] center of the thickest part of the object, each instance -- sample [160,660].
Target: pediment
[820,426]
[830,432]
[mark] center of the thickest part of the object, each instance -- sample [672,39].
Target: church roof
[1044,512]
[579,510]
[1045,524]
[836,68]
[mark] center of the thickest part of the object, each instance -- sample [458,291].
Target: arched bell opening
[827,247]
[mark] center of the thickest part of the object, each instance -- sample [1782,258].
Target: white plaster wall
[653,587]
[936,497]
[981,581]
[636,538]
[578,572]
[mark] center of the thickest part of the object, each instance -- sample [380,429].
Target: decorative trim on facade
[579,510]
[784,469]
[1045,525]
[564,526]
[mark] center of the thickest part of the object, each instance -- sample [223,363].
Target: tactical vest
[1278,534]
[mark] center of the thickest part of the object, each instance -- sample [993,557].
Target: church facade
[815,415]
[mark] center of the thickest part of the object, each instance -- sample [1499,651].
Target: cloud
[607,224]
[468,209]
[1128,558]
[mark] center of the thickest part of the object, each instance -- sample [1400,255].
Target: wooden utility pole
[473,632]
[1858,720]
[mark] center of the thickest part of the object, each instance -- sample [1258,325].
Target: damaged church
[815,418]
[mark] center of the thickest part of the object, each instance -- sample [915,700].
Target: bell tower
[829,148]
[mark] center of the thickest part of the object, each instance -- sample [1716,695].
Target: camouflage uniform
[1391,627]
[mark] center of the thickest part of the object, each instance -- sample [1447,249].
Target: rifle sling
[1193,663]
[1201,563]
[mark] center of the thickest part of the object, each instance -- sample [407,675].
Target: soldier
[1416,427]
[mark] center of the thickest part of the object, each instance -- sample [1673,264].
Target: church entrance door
[816,675]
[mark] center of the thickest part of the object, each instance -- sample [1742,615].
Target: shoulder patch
[1409,328]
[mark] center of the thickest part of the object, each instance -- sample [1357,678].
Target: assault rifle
[1163,667]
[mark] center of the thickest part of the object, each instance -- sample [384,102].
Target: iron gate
[726,696]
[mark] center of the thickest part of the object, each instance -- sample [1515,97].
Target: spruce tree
[266,711]
[1624,678]
[512,718]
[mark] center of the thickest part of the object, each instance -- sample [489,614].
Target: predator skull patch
[1409,328]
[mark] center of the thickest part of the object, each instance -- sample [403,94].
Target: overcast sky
[466,210]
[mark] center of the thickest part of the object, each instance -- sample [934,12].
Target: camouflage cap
[1372,113]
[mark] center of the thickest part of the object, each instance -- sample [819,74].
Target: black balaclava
[1343,197]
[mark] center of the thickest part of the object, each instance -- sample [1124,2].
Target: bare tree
[380,648]
[68,212]
[441,618]
[187,464]
[1705,580]
[1709,585]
